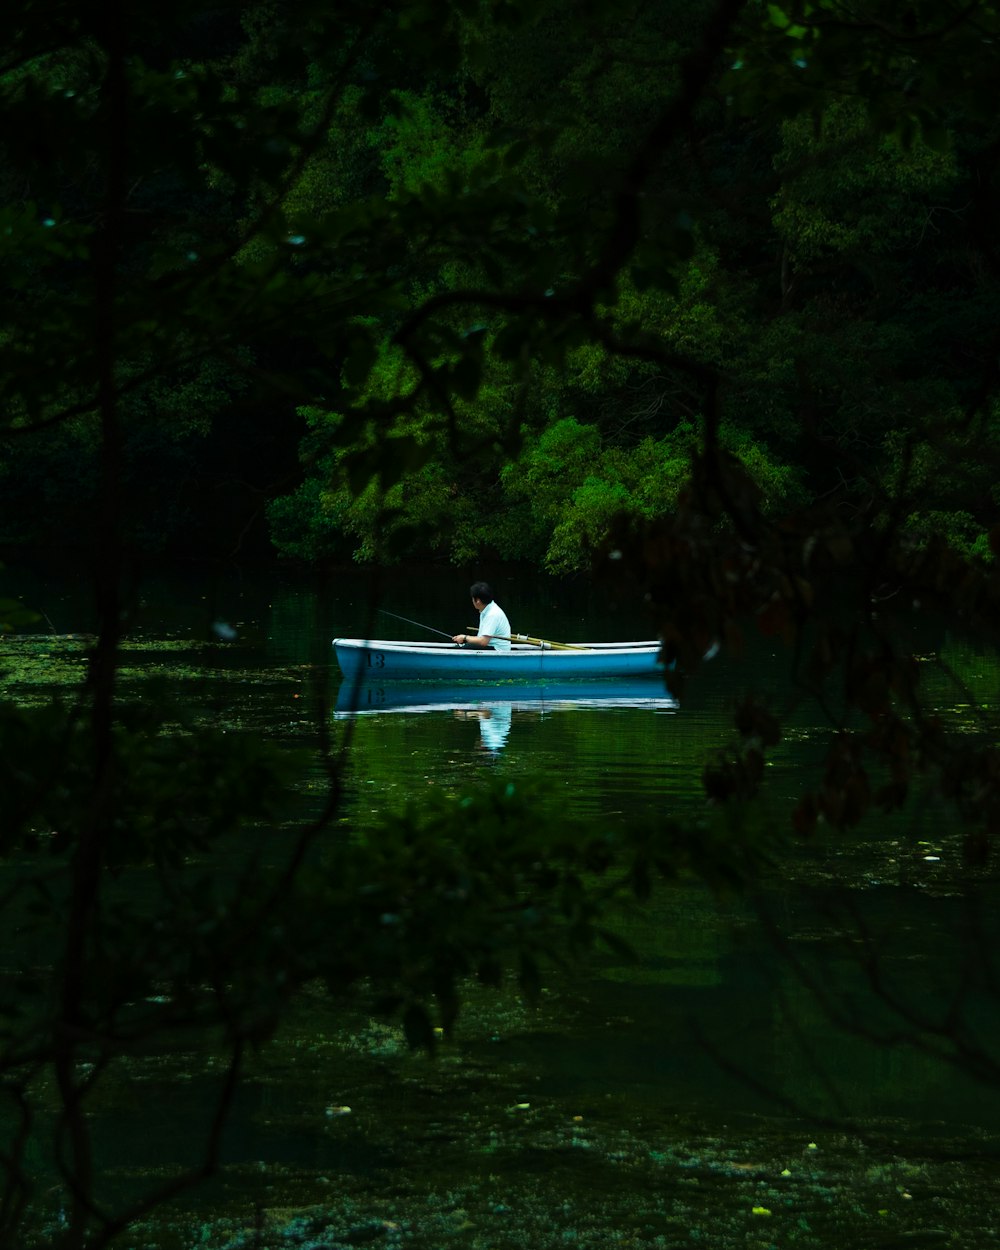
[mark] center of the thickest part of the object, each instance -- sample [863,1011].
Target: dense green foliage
[709,289]
[819,267]
[373,293]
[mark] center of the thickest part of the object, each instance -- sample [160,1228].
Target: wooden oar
[535,642]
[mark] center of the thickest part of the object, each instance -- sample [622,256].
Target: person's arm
[472,640]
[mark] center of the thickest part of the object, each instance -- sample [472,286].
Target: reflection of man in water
[494,724]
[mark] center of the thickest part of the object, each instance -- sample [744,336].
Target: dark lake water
[812,1062]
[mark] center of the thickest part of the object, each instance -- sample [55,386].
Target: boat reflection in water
[495,706]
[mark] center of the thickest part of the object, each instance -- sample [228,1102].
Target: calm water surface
[751,1032]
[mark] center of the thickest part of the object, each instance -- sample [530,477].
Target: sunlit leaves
[861,195]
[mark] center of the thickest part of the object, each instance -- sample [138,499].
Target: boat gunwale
[434,648]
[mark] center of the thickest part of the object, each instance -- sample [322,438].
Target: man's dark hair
[481,591]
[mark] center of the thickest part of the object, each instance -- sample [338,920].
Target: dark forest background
[474,281]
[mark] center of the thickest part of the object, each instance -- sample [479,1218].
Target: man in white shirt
[494,628]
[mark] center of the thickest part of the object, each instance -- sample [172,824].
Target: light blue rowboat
[378,659]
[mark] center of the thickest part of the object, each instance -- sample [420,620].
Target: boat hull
[382,660]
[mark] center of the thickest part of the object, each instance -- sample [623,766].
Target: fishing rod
[419,624]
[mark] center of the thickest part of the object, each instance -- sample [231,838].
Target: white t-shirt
[493,622]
